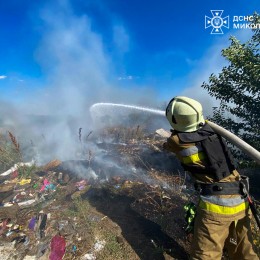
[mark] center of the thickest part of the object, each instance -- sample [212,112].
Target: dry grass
[9,151]
[175,183]
[11,154]
[123,134]
[14,141]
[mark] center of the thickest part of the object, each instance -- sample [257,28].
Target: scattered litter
[17,198]
[29,257]
[52,221]
[3,227]
[19,239]
[45,182]
[26,203]
[42,226]
[16,167]
[14,175]
[16,227]
[7,204]
[99,245]
[24,181]
[9,233]
[32,223]
[78,193]
[74,249]
[50,186]
[81,184]
[35,185]
[58,246]
[9,225]
[88,257]
[27,241]
[60,180]
[62,224]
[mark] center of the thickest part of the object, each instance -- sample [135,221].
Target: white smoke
[80,72]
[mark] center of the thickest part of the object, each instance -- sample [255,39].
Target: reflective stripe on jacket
[223,201]
[223,205]
[223,210]
[192,154]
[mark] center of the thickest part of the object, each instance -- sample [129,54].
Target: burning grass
[122,203]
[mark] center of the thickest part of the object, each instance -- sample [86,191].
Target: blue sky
[152,46]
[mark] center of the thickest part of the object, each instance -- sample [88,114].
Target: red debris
[58,246]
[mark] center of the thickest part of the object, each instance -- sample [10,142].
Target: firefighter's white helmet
[185,114]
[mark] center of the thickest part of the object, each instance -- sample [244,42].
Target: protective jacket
[205,155]
[211,149]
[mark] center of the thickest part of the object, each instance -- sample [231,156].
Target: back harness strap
[240,187]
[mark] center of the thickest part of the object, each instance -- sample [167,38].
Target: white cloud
[3,77]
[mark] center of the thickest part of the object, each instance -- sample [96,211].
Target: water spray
[245,147]
[114,105]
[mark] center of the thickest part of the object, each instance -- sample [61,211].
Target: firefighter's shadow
[145,237]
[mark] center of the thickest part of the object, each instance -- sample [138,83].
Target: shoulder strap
[197,136]
[220,159]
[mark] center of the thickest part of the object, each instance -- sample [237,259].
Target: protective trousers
[212,231]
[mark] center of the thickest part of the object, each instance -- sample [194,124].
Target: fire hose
[245,147]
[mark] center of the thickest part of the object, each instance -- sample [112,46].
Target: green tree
[238,88]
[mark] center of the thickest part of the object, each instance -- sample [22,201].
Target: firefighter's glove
[190,213]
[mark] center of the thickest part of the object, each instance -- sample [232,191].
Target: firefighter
[223,216]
